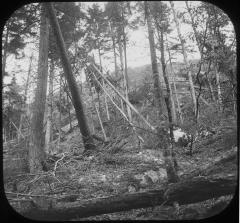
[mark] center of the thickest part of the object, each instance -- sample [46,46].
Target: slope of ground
[117,167]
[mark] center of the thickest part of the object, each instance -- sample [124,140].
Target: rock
[103,178]
[21,187]
[162,173]
[153,175]
[80,180]
[132,188]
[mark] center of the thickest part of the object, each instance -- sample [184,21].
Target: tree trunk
[93,105]
[200,48]
[174,86]
[168,100]
[192,90]
[158,92]
[218,88]
[106,103]
[76,97]
[60,111]
[122,68]
[25,95]
[184,192]
[36,147]
[166,80]
[69,112]
[126,84]
[115,57]
[100,58]
[194,27]
[5,48]
[48,134]
[171,173]
[100,122]
[209,82]
[114,50]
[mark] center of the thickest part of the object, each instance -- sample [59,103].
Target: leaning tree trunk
[171,173]
[48,135]
[76,97]
[36,147]
[192,90]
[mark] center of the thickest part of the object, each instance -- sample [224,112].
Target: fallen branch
[55,166]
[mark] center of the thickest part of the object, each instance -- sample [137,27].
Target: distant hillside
[137,75]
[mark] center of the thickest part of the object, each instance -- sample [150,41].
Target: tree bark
[76,97]
[171,106]
[168,99]
[60,111]
[100,122]
[158,92]
[209,82]
[36,147]
[171,173]
[93,105]
[25,95]
[174,86]
[114,50]
[48,134]
[5,48]
[69,111]
[106,103]
[219,93]
[115,57]
[122,67]
[126,84]
[185,192]
[192,90]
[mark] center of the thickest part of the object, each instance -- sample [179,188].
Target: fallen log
[184,192]
[227,157]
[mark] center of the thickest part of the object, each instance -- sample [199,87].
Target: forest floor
[121,166]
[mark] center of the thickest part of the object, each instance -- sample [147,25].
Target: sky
[138,52]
